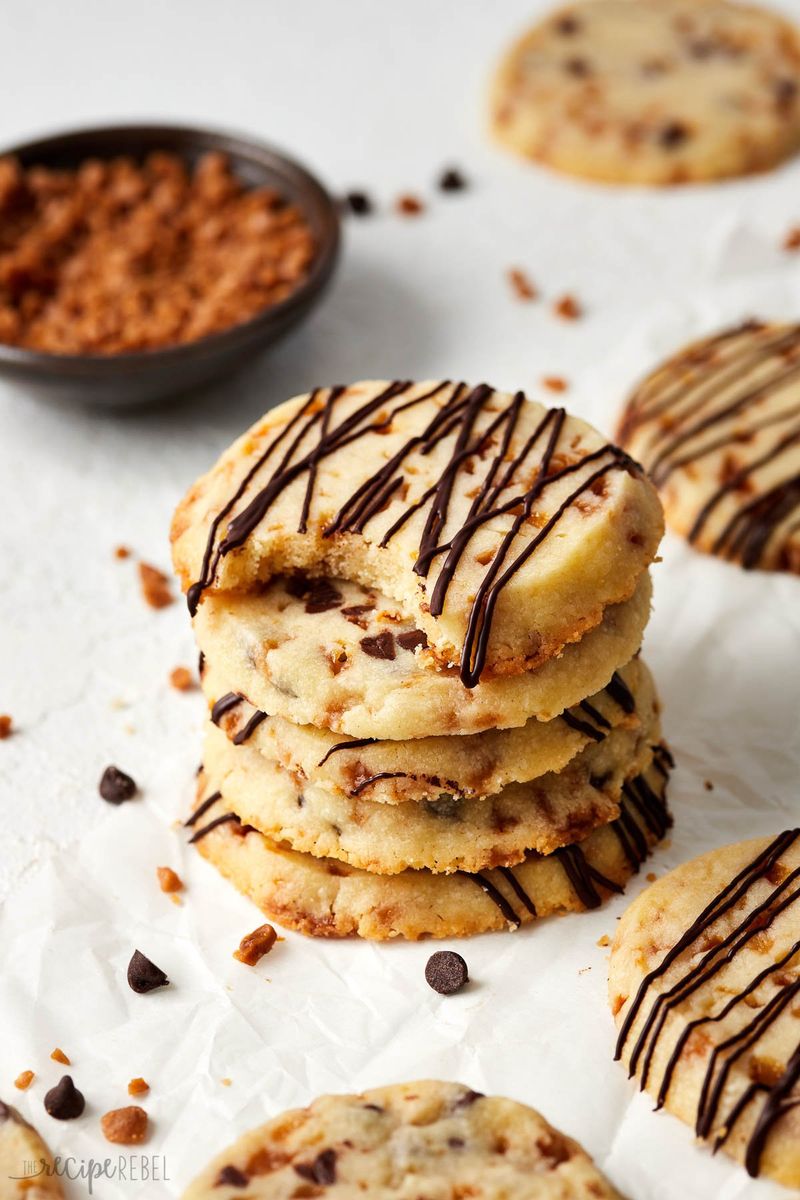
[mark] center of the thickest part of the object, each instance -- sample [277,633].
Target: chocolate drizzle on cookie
[699,956]
[540,460]
[711,399]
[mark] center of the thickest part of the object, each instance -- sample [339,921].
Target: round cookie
[26,1165]
[468,767]
[445,835]
[704,983]
[718,427]
[327,898]
[406,1141]
[652,91]
[503,529]
[303,656]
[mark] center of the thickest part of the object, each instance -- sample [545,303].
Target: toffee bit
[181,679]
[604,941]
[59,1056]
[138,1086]
[554,383]
[792,240]
[255,945]
[155,586]
[24,1080]
[122,552]
[409,206]
[143,975]
[521,284]
[6,726]
[568,308]
[64,1101]
[168,881]
[115,786]
[125,1126]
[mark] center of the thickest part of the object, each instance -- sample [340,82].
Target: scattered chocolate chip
[411,639]
[64,1101]
[446,972]
[115,786]
[358,203]
[380,646]
[125,1126]
[409,206]
[673,134]
[231,1176]
[321,1170]
[322,596]
[255,945]
[143,975]
[452,180]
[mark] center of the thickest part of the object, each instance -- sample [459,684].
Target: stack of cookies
[419,609]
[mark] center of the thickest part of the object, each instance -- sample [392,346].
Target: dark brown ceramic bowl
[146,376]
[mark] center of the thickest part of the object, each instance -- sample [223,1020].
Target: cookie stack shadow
[370,768]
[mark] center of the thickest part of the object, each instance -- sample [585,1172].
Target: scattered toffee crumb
[521,284]
[452,180]
[673,134]
[568,308]
[446,972]
[651,877]
[143,975]
[115,786]
[168,881]
[255,945]
[122,552]
[125,1126]
[358,203]
[138,1086]
[322,1170]
[226,1082]
[380,646]
[24,1080]
[554,383]
[604,941]
[64,1101]
[155,586]
[59,1056]
[181,679]
[792,240]
[409,206]
[231,1176]
[6,726]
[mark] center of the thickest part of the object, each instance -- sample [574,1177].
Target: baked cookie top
[21,1151]
[704,983]
[443,835]
[345,658]
[501,527]
[324,897]
[652,91]
[718,428]
[406,1141]
[430,768]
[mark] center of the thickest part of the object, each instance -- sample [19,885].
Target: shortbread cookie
[343,658]
[443,835]
[327,898]
[404,1142]
[718,427]
[466,767]
[652,91]
[26,1165]
[502,529]
[705,985]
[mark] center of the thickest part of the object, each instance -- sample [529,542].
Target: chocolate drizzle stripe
[583,727]
[355,744]
[365,783]
[225,704]
[595,715]
[225,819]
[776,1104]
[518,889]
[495,895]
[249,728]
[621,694]
[202,809]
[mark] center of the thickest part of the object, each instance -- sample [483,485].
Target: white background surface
[382,97]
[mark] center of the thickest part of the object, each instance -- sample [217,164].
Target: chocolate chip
[201,664]
[322,596]
[673,134]
[231,1176]
[297,585]
[143,975]
[785,93]
[321,1170]
[5,1111]
[446,972]
[412,638]
[116,787]
[358,203]
[381,646]
[567,25]
[444,805]
[456,1143]
[452,180]
[375,1108]
[578,67]
[64,1101]
[468,1099]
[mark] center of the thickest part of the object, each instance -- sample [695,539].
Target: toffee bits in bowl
[137,263]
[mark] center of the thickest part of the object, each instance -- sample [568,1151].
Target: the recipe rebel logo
[134,1168]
